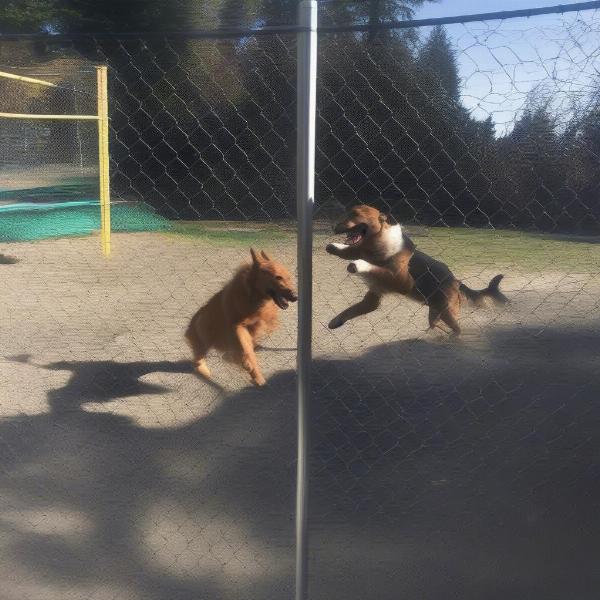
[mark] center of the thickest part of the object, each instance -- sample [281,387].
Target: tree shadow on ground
[437,471]
[574,238]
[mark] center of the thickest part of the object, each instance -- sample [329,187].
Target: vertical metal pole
[305,187]
[103,154]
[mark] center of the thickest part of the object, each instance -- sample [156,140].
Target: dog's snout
[291,296]
[339,228]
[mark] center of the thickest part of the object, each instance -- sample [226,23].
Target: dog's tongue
[280,301]
[353,238]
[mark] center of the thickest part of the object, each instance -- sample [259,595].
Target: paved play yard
[464,469]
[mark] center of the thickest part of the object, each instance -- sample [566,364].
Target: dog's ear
[255,259]
[265,255]
[383,218]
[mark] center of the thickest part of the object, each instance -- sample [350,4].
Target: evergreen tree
[533,168]
[31,16]
[582,143]
[437,58]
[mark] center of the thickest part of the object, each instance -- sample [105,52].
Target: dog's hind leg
[202,368]
[450,316]
[435,315]
[199,350]
[368,304]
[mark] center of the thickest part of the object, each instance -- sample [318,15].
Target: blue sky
[465,7]
[501,62]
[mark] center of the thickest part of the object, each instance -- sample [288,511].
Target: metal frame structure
[306,32]
[104,158]
[103,139]
[305,192]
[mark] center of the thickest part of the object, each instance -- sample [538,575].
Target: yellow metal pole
[4,115]
[26,79]
[102,73]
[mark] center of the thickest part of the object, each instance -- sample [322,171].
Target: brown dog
[235,318]
[389,262]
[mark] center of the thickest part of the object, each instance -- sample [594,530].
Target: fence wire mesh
[439,468]
[118,461]
[46,161]
[444,469]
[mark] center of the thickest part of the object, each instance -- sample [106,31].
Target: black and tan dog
[390,263]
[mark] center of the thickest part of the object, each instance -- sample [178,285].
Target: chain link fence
[46,161]
[118,461]
[438,468]
[463,469]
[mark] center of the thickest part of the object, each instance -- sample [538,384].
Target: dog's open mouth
[282,302]
[356,234]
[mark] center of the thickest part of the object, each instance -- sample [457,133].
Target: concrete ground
[440,469]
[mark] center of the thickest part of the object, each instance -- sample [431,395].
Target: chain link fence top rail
[438,469]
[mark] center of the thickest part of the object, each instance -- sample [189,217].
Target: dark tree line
[205,129]
[393,112]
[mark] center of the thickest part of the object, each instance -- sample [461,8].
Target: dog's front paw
[259,380]
[359,266]
[336,322]
[335,249]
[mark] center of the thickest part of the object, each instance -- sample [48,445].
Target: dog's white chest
[393,241]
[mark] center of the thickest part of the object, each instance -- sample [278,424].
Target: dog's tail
[491,291]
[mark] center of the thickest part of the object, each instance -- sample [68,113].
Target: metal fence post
[305,185]
[103,134]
